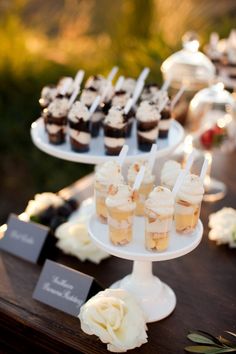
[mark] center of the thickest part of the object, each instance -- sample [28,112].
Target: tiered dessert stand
[157,299]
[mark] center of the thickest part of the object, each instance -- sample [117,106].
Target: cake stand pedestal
[157,299]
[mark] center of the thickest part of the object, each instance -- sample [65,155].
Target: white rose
[74,239]
[116,318]
[223,227]
[41,202]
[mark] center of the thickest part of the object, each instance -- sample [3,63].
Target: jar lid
[213,94]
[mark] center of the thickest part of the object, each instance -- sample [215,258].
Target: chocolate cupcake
[55,118]
[114,131]
[65,87]
[120,98]
[164,123]
[79,127]
[87,97]
[148,117]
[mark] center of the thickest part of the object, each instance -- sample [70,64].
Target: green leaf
[208,335]
[198,338]
[206,349]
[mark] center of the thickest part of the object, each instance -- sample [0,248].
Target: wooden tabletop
[204,282]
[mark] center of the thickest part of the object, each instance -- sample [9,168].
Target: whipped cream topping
[120,98]
[135,168]
[160,96]
[78,111]
[170,172]
[48,94]
[160,201]
[191,190]
[121,197]
[81,137]
[88,96]
[98,82]
[147,112]
[129,85]
[58,108]
[115,118]
[42,202]
[68,82]
[149,92]
[109,173]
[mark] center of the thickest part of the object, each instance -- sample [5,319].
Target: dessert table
[204,282]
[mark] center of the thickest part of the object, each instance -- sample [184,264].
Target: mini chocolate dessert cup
[129,118]
[164,123]
[79,135]
[147,133]
[114,139]
[96,122]
[56,129]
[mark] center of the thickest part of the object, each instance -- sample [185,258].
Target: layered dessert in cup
[170,173]
[159,210]
[120,98]
[148,117]
[114,131]
[87,97]
[55,119]
[188,204]
[165,122]
[107,172]
[120,210]
[79,127]
[145,187]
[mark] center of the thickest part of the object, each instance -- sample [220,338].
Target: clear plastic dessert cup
[186,216]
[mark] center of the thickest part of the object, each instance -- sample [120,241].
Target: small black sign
[24,239]
[64,288]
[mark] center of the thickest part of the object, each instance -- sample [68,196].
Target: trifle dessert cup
[120,98]
[145,187]
[169,173]
[106,174]
[188,204]
[148,117]
[159,210]
[120,209]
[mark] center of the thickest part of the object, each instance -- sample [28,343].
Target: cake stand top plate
[179,245]
[96,153]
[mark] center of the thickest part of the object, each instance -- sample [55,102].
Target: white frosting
[98,82]
[135,168]
[160,201]
[81,137]
[47,95]
[116,318]
[109,173]
[164,124]
[54,128]
[129,85]
[191,189]
[115,118]
[42,202]
[66,81]
[149,93]
[122,198]
[150,135]
[58,108]
[88,96]
[169,173]
[159,97]
[147,112]
[120,100]
[78,110]
[114,142]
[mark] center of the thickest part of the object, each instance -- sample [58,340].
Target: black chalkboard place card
[26,240]
[64,288]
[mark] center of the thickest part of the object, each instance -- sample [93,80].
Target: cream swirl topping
[129,85]
[135,168]
[160,201]
[78,111]
[68,82]
[58,108]
[147,112]
[88,96]
[98,82]
[191,190]
[48,94]
[115,118]
[120,98]
[109,173]
[170,172]
[121,197]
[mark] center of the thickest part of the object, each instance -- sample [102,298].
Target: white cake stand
[157,299]
[96,153]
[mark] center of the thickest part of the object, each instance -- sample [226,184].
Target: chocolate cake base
[112,151]
[78,147]
[145,144]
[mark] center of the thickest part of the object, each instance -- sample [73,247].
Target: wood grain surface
[204,282]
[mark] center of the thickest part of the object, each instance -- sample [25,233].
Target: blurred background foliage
[44,40]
